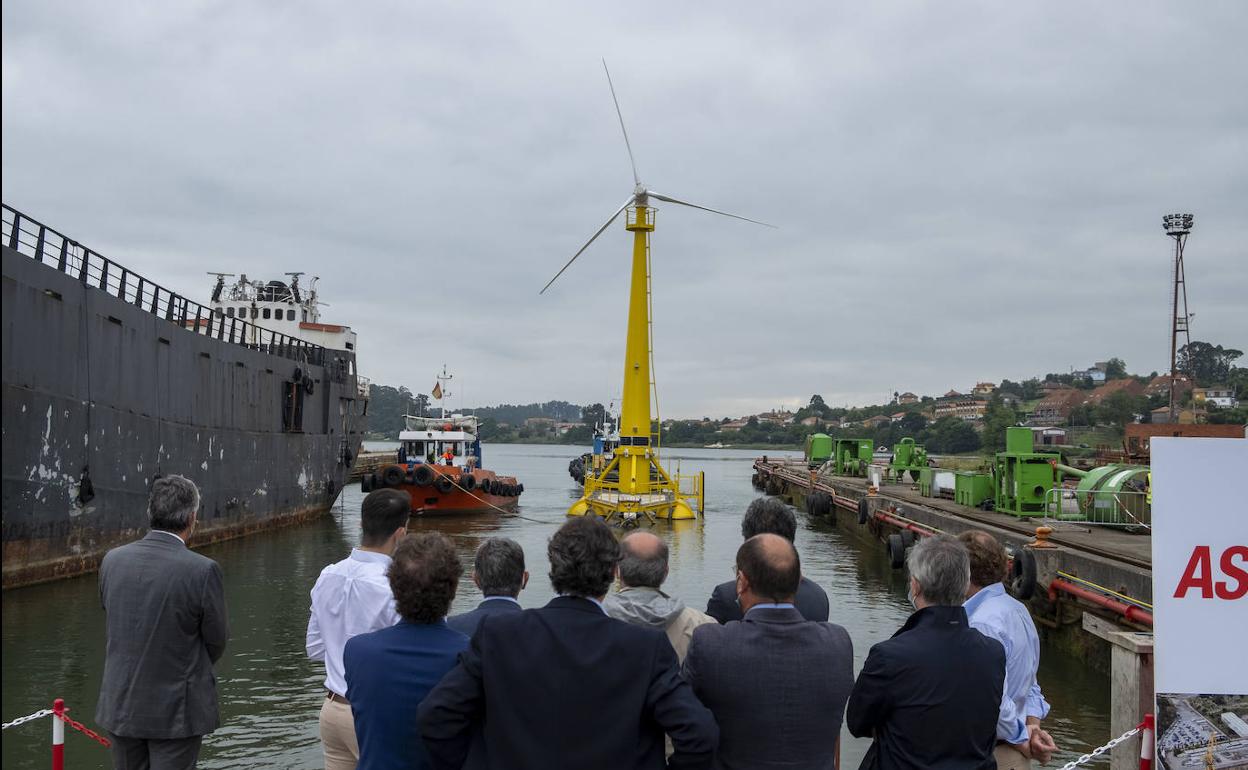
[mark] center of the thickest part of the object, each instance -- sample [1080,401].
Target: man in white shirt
[353,597]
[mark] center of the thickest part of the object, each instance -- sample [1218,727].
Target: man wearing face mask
[930,696]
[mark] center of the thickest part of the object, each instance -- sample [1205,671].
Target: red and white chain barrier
[60,718]
[1144,729]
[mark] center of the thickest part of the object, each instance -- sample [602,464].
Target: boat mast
[444,378]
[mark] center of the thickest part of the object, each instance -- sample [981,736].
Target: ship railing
[52,249]
[362,385]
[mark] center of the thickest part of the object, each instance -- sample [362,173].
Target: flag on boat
[437,391]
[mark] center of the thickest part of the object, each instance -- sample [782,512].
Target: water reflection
[270,692]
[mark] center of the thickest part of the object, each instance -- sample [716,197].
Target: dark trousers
[154,754]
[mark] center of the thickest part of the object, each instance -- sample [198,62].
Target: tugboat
[439,466]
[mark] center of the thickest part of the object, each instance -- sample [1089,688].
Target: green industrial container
[1019,440]
[925,481]
[852,456]
[907,457]
[1022,481]
[818,449]
[971,489]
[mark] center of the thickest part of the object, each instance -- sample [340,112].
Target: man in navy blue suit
[566,685]
[389,671]
[499,572]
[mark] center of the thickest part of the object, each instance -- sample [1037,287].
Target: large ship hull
[102,393]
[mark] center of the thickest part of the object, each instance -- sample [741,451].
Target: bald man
[639,600]
[776,682]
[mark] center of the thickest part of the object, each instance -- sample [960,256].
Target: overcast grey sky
[964,191]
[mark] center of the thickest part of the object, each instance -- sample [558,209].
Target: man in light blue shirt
[999,616]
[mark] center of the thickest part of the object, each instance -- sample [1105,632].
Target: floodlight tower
[1177,226]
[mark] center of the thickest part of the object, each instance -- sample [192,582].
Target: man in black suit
[566,685]
[776,683]
[500,574]
[165,625]
[931,695]
[768,515]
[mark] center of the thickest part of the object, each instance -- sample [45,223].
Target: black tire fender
[519,489]
[443,484]
[308,386]
[1022,580]
[821,504]
[366,483]
[896,551]
[392,476]
[864,511]
[422,475]
[908,537]
[468,482]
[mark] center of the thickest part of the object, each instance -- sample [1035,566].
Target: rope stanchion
[1146,746]
[60,718]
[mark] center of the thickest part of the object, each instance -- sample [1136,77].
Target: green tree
[594,415]
[950,435]
[1115,369]
[997,417]
[1120,408]
[912,424]
[1207,364]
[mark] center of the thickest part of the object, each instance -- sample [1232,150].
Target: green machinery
[818,449]
[1109,494]
[852,456]
[971,488]
[1022,477]
[907,456]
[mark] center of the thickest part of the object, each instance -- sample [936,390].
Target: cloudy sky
[964,191]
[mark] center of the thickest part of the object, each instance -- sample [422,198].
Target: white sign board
[1200,598]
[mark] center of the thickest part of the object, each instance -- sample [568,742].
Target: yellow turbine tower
[634,487]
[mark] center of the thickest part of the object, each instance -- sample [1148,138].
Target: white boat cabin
[448,440]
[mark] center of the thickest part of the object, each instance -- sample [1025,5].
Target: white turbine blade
[653,194]
[620,115]
[592,238]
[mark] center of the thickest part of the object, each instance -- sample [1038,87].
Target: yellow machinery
[634,487]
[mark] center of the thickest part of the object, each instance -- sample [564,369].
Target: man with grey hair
[639,600]
[165,627]
[499,572]
[931,695]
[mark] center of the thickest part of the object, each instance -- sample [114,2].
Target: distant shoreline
[673,445]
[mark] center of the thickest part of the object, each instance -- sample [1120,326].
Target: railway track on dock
[1081,540]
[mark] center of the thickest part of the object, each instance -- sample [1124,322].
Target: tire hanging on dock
[1022,578]
[819,504]
[896,551]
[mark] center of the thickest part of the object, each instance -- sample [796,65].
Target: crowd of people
[597,678]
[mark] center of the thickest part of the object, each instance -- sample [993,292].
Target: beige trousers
[342,752]
[1010,758]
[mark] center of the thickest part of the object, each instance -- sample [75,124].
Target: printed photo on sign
[1201,731]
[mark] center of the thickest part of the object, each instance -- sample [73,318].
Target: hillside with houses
[1087,408]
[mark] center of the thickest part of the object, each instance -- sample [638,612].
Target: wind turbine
[634,484]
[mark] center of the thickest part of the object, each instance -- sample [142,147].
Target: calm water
[270,693]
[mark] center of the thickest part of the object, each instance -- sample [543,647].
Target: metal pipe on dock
[1128,611]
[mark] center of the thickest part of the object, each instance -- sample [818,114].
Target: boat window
[290,315]
[216,311]
[267,313]
[305,315]
[229,311]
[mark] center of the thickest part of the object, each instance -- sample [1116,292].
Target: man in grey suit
[166,625]
[776,683]
[500,574]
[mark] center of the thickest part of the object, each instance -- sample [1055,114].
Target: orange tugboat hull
[446,492]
